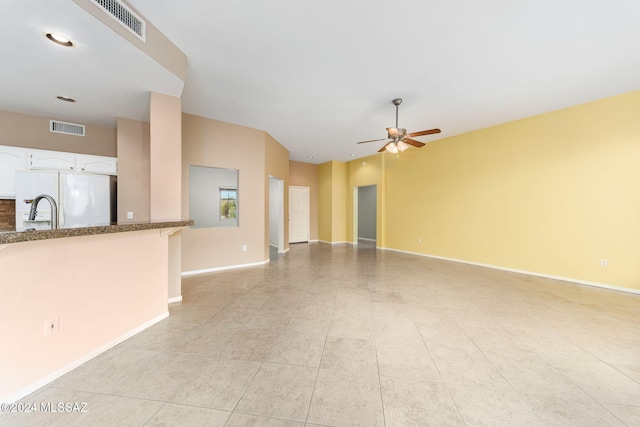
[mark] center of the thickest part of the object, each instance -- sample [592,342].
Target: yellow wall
[340,202]
[551,194]
[324,201]
[333,202]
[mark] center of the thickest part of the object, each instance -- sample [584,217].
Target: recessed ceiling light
[311,157]
[65,98]
[353,154]
[61,40]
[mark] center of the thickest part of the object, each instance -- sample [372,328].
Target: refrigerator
[83,200]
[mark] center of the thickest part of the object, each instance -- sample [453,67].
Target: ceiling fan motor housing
[396,133]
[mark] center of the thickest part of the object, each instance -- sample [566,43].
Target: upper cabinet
[52,160]
[97,164]
[11,160]
[18,158]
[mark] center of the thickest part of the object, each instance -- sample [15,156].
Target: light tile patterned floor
[353,336]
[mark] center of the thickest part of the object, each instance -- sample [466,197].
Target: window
[228,203]
[213,196]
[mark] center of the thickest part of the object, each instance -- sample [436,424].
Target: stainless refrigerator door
[85,200]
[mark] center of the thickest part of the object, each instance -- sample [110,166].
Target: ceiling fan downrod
[397,102]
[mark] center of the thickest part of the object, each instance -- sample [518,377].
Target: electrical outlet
[52,326]
[129,215]
[419,239]
[604,263]
[244,248]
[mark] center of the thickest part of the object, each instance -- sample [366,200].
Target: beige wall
[212,143]
[23,130]
[101,288]
[277,165]
[133,170]
[306,175]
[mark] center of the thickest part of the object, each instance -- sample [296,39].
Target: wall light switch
[129,215]
[244,248]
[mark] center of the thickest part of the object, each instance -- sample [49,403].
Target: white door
[298,214]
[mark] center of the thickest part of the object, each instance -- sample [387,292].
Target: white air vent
[124,15]
[66,128]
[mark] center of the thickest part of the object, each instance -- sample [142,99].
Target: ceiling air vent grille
[66,128]
[124,15]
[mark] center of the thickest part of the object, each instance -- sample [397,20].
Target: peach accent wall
[212,143]
[306,175]
[165,157]
[99,287]
[277,165]
[133,170]
[23,130]
[165,164]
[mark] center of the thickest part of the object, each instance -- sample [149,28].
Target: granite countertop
[28,236]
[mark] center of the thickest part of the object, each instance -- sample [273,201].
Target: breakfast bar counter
[68,295]
[28,236]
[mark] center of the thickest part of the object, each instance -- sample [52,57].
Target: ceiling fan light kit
[400,139]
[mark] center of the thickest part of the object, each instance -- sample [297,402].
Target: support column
[165,120]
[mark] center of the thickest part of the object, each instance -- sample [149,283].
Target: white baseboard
[530,273]
[366,239]
[226,267]
[278,249]
[175,299]
[71,366]
[334,243]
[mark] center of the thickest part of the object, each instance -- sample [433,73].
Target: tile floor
[353,336]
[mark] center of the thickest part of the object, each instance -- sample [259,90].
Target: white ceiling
[320,76]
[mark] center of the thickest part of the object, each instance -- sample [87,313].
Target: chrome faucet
[54,209]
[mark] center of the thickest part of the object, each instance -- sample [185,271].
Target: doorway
[366,213]
[276,215]
[298,214]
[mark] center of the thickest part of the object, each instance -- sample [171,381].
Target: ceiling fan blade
[424,132]
[414,142]
[383,148]
[371,140]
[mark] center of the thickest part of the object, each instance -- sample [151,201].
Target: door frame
[308,220]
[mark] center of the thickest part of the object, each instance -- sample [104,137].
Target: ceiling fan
[400,140]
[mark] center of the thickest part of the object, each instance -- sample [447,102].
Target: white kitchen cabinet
[97,164]
[11,160]
[52,160]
